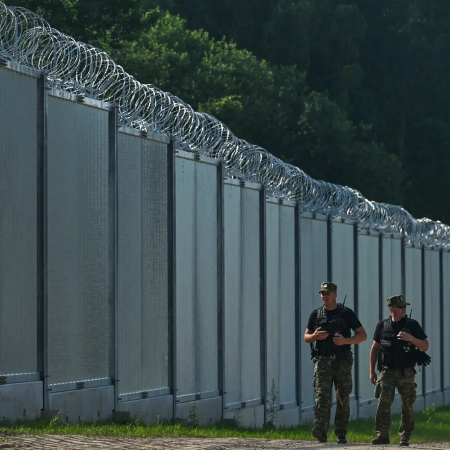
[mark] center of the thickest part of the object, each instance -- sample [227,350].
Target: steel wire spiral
[27,39]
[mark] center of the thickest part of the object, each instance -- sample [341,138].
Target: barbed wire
[27,39]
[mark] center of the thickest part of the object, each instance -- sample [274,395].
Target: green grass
[431,426]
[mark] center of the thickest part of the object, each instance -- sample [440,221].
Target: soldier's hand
[404,336]
[373,377]
[338,339]
[320,335]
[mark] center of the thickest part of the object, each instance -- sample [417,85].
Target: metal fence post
[356,307]
[298,346]
[113,136]
[171,226]
[42,299]
[221,282]
[380,276]
[329,250]
[424,389]
[263,294]
[403,264]
[441,308]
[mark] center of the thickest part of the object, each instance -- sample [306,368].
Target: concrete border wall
[140,282]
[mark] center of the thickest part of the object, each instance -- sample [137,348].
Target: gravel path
[48,442]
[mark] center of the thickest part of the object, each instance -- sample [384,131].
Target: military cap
[328,286]
[397,300]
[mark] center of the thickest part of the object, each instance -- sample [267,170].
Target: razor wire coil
[75,67]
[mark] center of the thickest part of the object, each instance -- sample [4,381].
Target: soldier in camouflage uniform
[330,327]
[395,340]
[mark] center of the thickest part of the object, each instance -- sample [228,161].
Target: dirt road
[46,442]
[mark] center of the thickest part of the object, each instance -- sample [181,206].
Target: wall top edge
[23,70]
[412,245]
[196,157]
[343,221]
[369,233]
[149,136]
[392,236]
[427,247]
[63,95]
[305,215]
[432,248]
[281,201]
[244,184]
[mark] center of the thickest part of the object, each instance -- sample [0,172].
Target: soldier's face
[328,297]
[398,311]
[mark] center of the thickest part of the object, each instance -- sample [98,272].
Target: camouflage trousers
[326,372]
[388,380]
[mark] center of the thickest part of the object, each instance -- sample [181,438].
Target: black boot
[404,442]
[379,440]
[320,435]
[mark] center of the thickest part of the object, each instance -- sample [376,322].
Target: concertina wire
[75,67]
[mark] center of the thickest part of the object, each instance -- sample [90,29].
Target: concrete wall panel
[206,346]
[287,348]
[208,411]
[251,295]
[343,274]
[413,295]
[281,333]
[149,410]
[432,327]
[197,284]
[86,405]
[446,319]
[368,314]
[186,237]
[233,295]
[313,271]
[143,321]
[21,400]
[242,296]
[18,222]
[249,417]
[392,269]
[343,261]
[78,242]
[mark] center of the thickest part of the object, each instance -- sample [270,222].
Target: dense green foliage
[353,92]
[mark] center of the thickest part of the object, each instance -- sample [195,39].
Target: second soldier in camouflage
[395,345]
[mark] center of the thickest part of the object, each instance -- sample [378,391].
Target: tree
[96,22]
[301,88]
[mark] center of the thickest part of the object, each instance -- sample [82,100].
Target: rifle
[419,357]
[337,324]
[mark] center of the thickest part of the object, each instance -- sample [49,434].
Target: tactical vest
[394,353]
[336,325]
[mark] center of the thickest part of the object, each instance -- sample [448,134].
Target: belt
[338,356]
